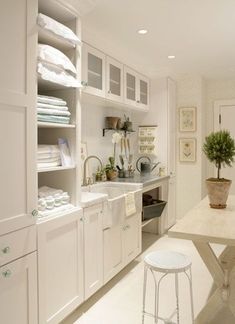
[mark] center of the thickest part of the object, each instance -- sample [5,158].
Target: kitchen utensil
[121,160]
[147,166]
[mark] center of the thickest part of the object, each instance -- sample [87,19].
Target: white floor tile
[120,301]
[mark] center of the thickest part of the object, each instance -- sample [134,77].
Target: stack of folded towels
[48,156]
[52,109]
[50,198]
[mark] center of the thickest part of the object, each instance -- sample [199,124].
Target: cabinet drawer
[16,244]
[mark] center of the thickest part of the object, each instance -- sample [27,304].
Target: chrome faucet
[85,182]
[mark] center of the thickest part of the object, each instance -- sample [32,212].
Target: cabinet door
[93,249]
[93,70]
[113,254]
[130,86]
[114,80]
[171,99]
[143,92]
[18,293]
[132,237]
[17,114]
[60,266]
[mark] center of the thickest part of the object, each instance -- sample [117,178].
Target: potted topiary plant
[219,147]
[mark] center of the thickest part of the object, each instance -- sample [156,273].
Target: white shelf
[147,221]
[47,37]
[58,168]
[114,82]
[130,89]
[55,125]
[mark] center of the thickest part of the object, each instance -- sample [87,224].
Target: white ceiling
[200,33]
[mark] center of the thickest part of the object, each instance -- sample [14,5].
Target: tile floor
[120,301]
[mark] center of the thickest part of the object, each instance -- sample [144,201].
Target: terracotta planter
[218,190]
[111,122]
[111,174]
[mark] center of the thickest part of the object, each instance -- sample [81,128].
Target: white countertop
[92,198]
[206,224]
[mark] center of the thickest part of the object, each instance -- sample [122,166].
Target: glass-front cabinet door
[114,79]
[143,87]
[130,86]
[93,78]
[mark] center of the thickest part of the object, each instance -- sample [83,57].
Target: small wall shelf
[58,168]
[117,130]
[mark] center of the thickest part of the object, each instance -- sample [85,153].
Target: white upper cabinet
[17,115]
[114,80]
[130,86]
[93,71]
[136,89]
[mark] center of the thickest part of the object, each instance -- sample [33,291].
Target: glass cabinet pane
[115,80]
[95,77]
[131,87]
[143,92]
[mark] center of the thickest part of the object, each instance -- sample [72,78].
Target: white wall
[190,185]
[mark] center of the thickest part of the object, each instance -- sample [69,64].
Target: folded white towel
[54,112]
[49,106]
[48,164]
[130,204]
[51,100]
[48,159]
[41,156]
[52,149]
[46,191]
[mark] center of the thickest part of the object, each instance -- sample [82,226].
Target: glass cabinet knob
[7,273]
[35,213]
[6,250]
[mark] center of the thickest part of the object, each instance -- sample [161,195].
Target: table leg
[223,273]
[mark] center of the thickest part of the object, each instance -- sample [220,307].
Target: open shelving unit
[66,178]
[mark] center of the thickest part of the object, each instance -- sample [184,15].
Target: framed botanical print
[187,119]
[187,149]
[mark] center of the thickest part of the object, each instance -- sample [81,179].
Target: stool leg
[177,297]
[156,299]
[191,293]
[144,292]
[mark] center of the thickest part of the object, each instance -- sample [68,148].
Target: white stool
[166,262]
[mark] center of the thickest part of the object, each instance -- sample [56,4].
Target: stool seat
[167,261]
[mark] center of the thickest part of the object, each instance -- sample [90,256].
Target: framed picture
[187,149]
[83,158]
[187,119]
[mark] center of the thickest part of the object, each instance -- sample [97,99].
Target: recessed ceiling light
[142,31]
[171,57]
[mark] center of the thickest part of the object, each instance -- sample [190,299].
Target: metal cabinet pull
[6,249]
[35,213]
[7,273]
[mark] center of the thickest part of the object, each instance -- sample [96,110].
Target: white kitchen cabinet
[93,249]
[18,291]
[93,71]
[136,89]
[113,250]
[114,80]
[131,237]
[60,266]
[17,117]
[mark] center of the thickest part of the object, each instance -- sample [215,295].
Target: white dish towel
[130,204]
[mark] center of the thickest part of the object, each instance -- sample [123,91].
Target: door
[60,266]
[224,116]
[143,92]
[18,114]
[93,71]
[18,293]
[93,249]
[114,80]
[132,237]
[130,86]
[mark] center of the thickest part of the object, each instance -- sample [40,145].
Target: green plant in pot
[219,147]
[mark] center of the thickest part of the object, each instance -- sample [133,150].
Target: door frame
[217,105]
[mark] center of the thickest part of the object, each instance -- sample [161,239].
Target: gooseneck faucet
[85,183]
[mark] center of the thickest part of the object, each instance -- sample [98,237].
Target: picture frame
[187,149]
[187,119]
[83,158]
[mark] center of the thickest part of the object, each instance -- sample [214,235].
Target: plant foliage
[219,148]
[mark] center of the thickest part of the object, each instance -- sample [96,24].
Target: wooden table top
[206,224]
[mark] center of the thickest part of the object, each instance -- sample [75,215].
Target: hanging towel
[130,204]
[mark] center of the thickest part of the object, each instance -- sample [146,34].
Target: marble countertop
[145,180]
